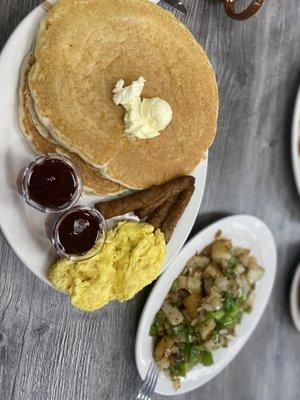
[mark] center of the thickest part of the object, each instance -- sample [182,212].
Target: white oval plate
[294,299]
[22,226]
[296,142]
[245,231]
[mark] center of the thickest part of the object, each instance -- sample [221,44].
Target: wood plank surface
[49,351]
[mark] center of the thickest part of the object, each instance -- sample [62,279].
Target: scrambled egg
[131,259]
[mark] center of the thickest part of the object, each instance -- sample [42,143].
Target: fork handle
[252,9]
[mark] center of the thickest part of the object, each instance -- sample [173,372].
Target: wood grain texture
[52,352]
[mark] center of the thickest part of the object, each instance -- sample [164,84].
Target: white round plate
[245,231]
[22,226]
[296,142]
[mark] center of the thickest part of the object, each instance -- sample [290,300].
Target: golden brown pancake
[92,179]
[84,47]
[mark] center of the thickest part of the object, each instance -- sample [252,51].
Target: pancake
[84,47]
[92,179]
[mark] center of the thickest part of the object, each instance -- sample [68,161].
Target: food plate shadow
[292,268]
[203,220]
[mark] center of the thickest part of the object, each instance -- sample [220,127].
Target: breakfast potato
[161,348]
[204,307]
[191,304]
[173,315]
[221,250]
[206,328]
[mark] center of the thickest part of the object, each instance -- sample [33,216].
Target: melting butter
[144,118]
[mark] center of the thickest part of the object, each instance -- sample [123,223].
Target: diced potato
[210,345]
[193,284]
[162,347]
[198,274]
[223,341]
[222,283]
[208,283]
[251,300]
[213,302]
[164,363]
[194,264]
[233,287]
[242,255]
[244,283]
[252,263]
[206,252]
[191,303]
[176,383]
[218,235]
[224,263]
[173,315]
[255,274]
[182,282]
[211,271]
[206,328]
[221,249]
[174,297]
[203,261]
[239,252]
[239,270]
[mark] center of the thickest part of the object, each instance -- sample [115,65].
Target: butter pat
[144,118]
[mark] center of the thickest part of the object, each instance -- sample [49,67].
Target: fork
[147,389]
[177,4]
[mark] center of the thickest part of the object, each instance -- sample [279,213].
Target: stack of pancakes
[83,47]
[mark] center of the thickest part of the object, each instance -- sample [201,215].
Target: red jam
[78,232]
[52,184]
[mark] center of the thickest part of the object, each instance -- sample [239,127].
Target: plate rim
[293,298]
[164,277]
[295,142]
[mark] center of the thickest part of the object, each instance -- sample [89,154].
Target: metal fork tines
[177,4]
[147,390]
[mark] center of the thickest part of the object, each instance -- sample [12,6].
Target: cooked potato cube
[164,363]
[213,302]
[252,263]
[206,328]
[206,252]
[244,284]
[239,270]
[203,261]
[221,250]
[191,304]
[239,252]
[173,315]
[162,347]
[222,283]
[212,271]
[182,282]
[193,284]
[255,274]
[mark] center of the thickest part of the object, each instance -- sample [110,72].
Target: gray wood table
[51,351]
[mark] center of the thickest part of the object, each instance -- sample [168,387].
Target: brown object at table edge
[252,9]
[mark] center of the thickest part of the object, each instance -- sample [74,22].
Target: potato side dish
[204,306]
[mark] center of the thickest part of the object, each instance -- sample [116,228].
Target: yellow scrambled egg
[131,259]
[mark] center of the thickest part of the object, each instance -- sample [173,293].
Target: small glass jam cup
[79,233]
[51,183]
